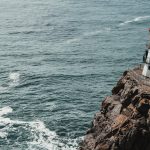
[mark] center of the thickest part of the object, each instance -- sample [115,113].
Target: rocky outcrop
[123,122]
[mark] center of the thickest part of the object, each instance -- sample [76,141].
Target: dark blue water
[59,59]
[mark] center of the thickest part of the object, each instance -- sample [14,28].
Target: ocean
[58,60]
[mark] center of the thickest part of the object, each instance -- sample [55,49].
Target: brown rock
[123,122]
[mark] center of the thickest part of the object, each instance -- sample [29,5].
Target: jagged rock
[123,122]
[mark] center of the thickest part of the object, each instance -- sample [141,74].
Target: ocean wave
[49,140]
[74,40]
[15,32]
[87,34]
[3,134]
[21,32]
[40,136]
[97,32]
[27,32]
[137,19]
[3,89]
[5,110]
[14,78]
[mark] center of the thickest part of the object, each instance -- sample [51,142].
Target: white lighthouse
[146,60]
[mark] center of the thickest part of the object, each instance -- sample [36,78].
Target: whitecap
[3,134]
[137,19]
[42,137]
[14,78]
[4,121]
[73,40]
[5,110]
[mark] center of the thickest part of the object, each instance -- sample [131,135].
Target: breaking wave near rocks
[38,136]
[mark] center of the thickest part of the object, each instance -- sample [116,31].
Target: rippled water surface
[58,60]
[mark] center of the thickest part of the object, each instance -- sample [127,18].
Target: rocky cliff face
[123,122]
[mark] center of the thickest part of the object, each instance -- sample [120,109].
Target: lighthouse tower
[146,69]
[146,60]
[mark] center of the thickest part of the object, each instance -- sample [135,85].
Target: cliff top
[142,82]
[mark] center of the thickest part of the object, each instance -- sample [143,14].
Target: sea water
[58,60]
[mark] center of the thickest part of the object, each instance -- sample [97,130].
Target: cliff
[123,122]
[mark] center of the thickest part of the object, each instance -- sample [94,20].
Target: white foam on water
[48,139]
[52,106]
[5,110]
[14,76]
[14,79]
[42,137]
[3,134]
[74,40]
[4,121]
[137,19]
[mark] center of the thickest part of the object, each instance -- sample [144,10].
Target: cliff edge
[123,122]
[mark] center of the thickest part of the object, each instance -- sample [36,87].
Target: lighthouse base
[146,70]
